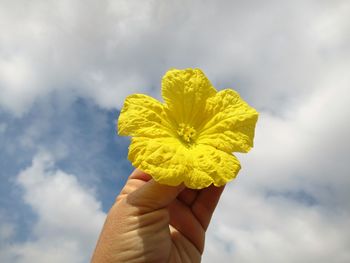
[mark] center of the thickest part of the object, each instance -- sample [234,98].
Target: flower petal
[165,159]
[231,123]
[169,162]
[185,93]
[219,166]
[142,115]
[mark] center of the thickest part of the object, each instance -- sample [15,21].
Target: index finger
[205,204]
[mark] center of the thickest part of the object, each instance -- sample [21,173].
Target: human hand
[150,222]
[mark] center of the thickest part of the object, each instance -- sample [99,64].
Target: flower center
[186,132]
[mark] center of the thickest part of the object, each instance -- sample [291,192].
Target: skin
[150,222]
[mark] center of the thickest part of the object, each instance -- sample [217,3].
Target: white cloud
[74,46]
[290,203]
[290,60]
[253,228]
[69,217]
[271,52]
[7,230]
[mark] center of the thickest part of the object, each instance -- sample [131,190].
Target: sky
[67,66]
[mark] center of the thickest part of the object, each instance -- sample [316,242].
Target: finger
[187,196]
[205,204]
[152,196]
[139,175]
[135,181]
[183,220]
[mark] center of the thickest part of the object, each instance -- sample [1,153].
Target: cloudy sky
[66,67]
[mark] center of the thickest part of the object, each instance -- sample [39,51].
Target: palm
[177,231]
[186,231]
[156,223]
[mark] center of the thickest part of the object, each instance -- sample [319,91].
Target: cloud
[270,52]
[74,46]
[290,203]
[7,230]
[80,136]
[251,227]
[290,60]
[68,216]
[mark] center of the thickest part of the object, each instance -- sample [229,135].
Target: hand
[151,222]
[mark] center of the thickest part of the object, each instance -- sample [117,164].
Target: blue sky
[66,67]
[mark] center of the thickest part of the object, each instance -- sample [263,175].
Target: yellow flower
[190,138]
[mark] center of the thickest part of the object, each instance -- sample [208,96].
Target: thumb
[152,196]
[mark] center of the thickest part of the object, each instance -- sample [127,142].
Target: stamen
[186,132]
